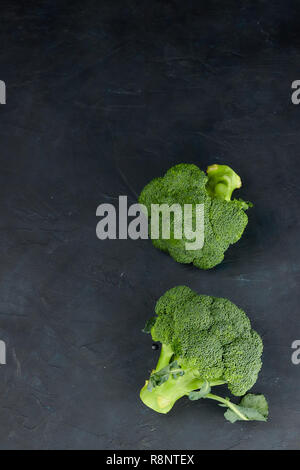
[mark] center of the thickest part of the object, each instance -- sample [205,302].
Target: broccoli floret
[206,341]
[224,219]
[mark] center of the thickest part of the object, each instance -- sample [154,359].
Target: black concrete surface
[101,97]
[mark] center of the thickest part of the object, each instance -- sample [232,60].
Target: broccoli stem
[166,354]
[227,403]
[163,397]
[222,181]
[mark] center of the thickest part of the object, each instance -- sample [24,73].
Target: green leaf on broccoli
[148,326]
[252,407]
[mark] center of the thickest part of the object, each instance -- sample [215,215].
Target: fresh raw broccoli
[206,341]
[224,219]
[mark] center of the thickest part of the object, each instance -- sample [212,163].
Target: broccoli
[224,219]
[206,342]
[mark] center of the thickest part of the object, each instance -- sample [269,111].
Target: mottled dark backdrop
[101,97]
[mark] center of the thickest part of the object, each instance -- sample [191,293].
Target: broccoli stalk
[222,181]
[160,394]
[166,353]
[162,398]
[226,402]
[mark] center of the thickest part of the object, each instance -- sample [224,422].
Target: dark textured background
[101,97]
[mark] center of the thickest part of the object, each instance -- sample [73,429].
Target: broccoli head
[224,219]
[206,341]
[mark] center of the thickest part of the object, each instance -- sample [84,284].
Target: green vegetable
[251,408]
[224,219]
[206,342]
